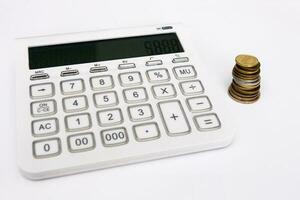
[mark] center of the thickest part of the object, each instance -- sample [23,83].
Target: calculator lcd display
[103,50]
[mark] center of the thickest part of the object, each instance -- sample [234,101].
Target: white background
[264,160]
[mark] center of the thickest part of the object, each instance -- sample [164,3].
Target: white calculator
[94,100]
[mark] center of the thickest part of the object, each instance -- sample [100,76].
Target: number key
[46,148]
[72,86]
[135,95]
[114,137]
[110,117]
[130,79]
[102,82]
[140,112]
[78,122]
[81,142]
[106,99]
[73,104]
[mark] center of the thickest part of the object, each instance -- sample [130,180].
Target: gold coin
[243,100]
[244,95]
[246,60]
[243,76]
[243,71]
[250,69]
[245,92]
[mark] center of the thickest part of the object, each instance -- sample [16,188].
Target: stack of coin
[246,80]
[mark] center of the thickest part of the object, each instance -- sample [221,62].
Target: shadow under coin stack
[246,79]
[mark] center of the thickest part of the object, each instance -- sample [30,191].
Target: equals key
[207,122]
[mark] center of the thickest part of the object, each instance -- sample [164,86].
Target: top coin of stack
[246,79]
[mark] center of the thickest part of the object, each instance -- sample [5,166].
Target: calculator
[101,99]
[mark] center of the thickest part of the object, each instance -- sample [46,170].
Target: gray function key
[126,66]
[98,69]
[39,76]
[154,62]
[71,72]
[180,60]
[174,118]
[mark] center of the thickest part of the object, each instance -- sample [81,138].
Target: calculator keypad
[111,114]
